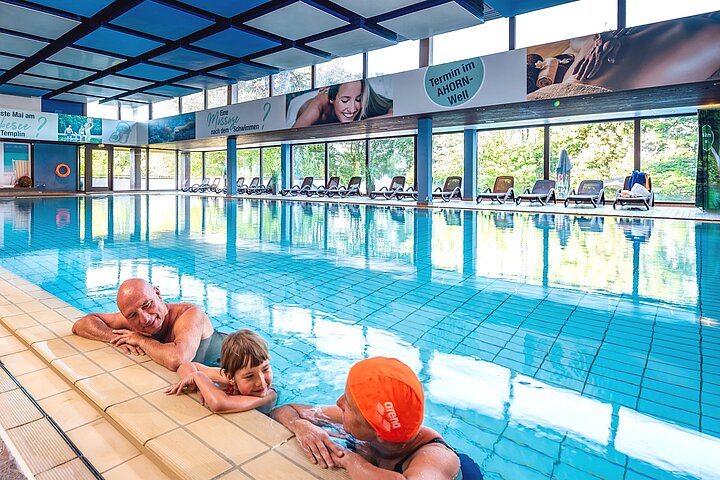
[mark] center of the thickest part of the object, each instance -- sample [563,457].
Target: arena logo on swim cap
[455,83]
[387,416]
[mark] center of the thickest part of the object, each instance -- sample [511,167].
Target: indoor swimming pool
[549,346]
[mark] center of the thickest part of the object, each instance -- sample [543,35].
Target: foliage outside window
[390,157]
[339,70]
[598,151]
[166,108]
[143,169]
[253,89]
[99,168]
[271,166]
[448,157]
[102,110]
[517,152]
[669,153]
[135,113]
[196,167]
[641,12]
[193,103]
[215,164]
[289,81]
[566,21]
[347,159]
[308,161]
[490,37]
[122,169]
[217,97]
[248,163]
[163,167]
[397,58]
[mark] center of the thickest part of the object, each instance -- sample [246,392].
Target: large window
[196,167]
[598,151]
[192,103]
[135,113]
[517,152]
[123,163]
[640,12]
[248,163]
[166,108]
[308,161]
[339,70]
[490,37]
[669,154]
[448,157]
[289,81]
[271,166]
[398,58]
[217,97]
[253,89]
[347,159]
[215,164]
[103,110]
[390,157]
[566,21]
[163,167]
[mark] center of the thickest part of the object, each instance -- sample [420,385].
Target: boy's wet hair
[242,349]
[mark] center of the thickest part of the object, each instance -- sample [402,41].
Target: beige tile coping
[112,406]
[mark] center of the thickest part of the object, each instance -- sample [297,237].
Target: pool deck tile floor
[112,407]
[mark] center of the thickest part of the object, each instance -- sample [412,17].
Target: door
[98,168]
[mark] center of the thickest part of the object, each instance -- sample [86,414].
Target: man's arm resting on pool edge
[304,421]
[100,326]
[187,333]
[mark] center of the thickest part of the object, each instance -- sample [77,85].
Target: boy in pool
[243,381]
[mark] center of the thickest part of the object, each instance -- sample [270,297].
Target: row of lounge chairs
[450,189]
[588,192]
[332,188]
[252,188]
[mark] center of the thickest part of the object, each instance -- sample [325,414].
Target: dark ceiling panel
[86,8]
[225,8]
[151,72]
[511,8]
[161,21]
[115,42]
[236,42]
[189,59]
[33,22]
[10,89]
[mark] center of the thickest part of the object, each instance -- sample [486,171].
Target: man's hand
[131,350]
[127,337]
[317,444]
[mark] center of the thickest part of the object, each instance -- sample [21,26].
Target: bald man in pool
[169,333]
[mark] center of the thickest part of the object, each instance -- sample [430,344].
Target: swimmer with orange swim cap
[382,409]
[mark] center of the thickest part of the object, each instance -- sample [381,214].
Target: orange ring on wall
[63,174]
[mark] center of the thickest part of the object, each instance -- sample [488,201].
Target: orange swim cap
[389,396]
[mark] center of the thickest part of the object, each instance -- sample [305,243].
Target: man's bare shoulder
[189,314]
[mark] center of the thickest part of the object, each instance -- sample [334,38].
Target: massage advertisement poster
[708,167]
[241,118]
[679,51]
[23,125]
[474,82]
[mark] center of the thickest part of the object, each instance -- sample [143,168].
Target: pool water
[550,346]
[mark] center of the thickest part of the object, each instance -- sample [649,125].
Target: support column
[470,165]
[231,167]
[285,173]
[185,168]
[424,161]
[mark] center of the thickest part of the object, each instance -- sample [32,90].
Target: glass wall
[196,167]
[103,110]
[122,168]
[598,151]
[390,157]
[347,159]
[490,37]
[217,97]
[566,21]
[253,89]
[135,113]
[166,108]
[339,70]
[215,163]
[163,168]
[81,168]
[271,166]
[448,157]
[308,161]
[289,81]
[248,163]
[398,58]
[640,12]
[669,153]
[192,103]
[516,152]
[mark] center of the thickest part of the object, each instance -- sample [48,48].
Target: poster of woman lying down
[665,53]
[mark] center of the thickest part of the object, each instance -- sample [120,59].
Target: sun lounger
[332,184]
[542,192]
[636,200]
[210,187]
[501,192]
[352,188]
[306,185]
[450,189]
[248,188]
[196,186]
[396,189]
[589,191]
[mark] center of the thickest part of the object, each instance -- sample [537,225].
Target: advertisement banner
[665,53]
[120,132]
[172,129]
[240,118]
[22,125]
[707,195]
[76,128]
[490,80]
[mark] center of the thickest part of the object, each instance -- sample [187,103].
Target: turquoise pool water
[550,346]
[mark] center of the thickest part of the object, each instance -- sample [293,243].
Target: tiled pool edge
[188,442]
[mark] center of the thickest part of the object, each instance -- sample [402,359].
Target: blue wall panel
[59,106]
[46,159]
